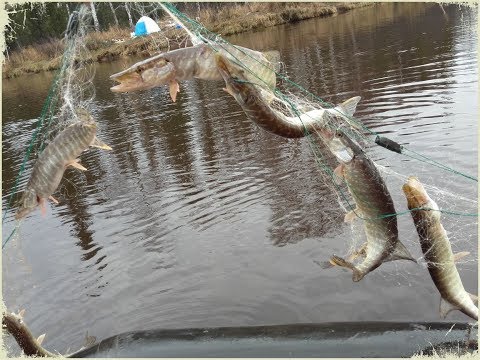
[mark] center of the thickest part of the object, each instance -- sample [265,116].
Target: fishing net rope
[72,87]
[459,211]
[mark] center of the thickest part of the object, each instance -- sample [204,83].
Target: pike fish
[257,106]
[49,168]
[188,63]
[373,203]
[31,346]
[438,251]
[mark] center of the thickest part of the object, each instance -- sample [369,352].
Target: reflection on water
[199,218]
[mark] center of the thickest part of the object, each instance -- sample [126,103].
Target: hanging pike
[373,204]
[256,104]
[188,63]
[52,162]
[438,251]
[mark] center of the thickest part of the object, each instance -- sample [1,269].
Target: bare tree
[94,15]
[129,15]
[113,12]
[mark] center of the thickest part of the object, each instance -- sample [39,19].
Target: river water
[198,218]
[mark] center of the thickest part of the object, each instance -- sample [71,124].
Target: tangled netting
[73,88]
[459,210]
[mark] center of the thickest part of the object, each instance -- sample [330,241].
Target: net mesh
[459,211]
[74,88]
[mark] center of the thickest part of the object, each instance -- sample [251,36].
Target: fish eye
[139,70]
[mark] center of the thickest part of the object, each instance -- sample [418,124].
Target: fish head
[340,144]
[144,75]
[417,197]
[234,76]
[28,203]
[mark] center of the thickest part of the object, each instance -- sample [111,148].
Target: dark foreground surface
[199,219]
[339,340]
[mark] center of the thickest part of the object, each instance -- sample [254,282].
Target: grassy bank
[116,42]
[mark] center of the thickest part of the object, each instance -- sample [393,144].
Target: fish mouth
[128,81]
[144,75]
[415,193]
[342,152]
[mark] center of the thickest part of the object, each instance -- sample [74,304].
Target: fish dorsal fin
[400,253]
[349,106]
[460,255]
[446,307]
[99,144]
[474,298]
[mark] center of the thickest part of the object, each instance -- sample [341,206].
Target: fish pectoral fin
[75,163]
[460,255]
[351,215]
[446,307]
[43,207]
[474,298]
[400,253]
[40,339]
[338,174]
[55,201]
[337,260]
[174,89]
[228,91]
[100,144]
[324,264]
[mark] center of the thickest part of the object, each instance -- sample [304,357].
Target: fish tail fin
[400,253]
[357,274]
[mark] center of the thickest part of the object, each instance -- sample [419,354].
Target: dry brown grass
[243,17]
[229,20]
[33,58]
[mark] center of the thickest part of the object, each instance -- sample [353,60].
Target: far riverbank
[116,43]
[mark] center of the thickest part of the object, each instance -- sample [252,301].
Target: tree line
[36,23]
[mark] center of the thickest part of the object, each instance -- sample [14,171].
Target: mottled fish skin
[373,202]
[437,250]
[189,63]
[256,105]
[49,168]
